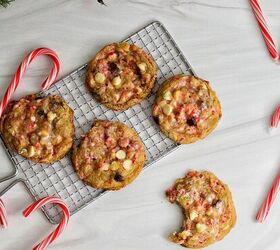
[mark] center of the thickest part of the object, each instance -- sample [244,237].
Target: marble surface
[222,42]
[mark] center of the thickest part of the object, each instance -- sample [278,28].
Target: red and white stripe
[3,215]
[22,68]
[264,29]
[66,215]
[270,45]
[275,117]
[263,212]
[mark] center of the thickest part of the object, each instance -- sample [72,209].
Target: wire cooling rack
[59,179]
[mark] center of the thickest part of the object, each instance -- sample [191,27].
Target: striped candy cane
[264,29]
[66,215]
[22,68]
[263,212]
[275,118]
[264,209]
[3,214]
[270,45]
[13,86]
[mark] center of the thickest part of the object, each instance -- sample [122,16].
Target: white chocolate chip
[45,140]
[105,167]
[200,227]
[209,211]
[33,118]
[184,234]
[100,78]
[120,154]
[58,139]
[193,215]
[162,103]
[51,116]
[219,206]
[12,131]
[167,96]
[114,165]
[117,81]
[49,146]
[44,133]
[92,82]
[200,93]
[142,66]
[31,151]
[167,109]
[23,151]
[166,125]
[210,198]
[127,164]
[177,95]
[116,97]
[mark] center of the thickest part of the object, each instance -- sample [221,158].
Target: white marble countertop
[224,45]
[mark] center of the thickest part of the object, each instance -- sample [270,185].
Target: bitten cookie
[109,156]
[186,109]
[207,206]
[40,129]
[121,75]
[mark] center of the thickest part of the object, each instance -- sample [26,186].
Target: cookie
[38,128]
[186,109]
[109,156]
[209,212]
[121,75]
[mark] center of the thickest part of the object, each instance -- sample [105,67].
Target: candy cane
[66,215]
[22,68]
[263,212]
[264,29]
[270,45]
[3,214]
[275,118]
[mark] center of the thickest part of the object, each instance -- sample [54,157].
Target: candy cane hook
[22,68]
[66,215]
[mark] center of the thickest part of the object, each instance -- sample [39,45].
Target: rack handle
[3,213]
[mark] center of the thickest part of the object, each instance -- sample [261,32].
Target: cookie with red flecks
[208,208]
[40,129]
[109,156]
[186,109]
[121,75]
